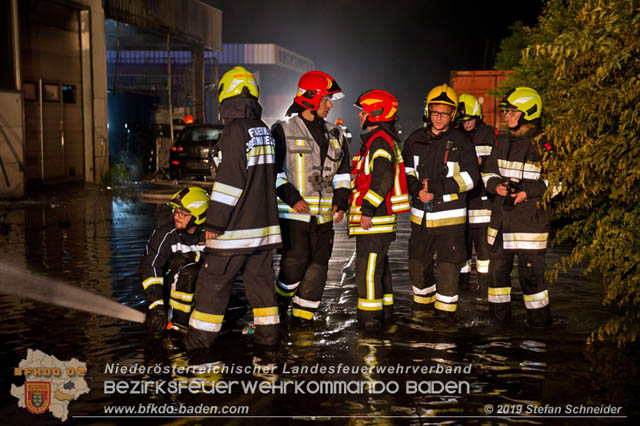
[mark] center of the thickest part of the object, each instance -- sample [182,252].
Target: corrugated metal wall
[189,20]
[261,53]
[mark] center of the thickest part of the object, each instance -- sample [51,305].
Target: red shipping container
[479,84]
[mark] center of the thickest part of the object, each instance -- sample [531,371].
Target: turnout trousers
[531,276]
[303,266]
[182,286]
[441,287]
[214,288]
[373,278]
[477,237]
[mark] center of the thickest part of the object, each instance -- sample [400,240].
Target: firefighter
[379,193]
[172,259]
[483,136]
[441,168]
[519,223]
[313,187]
[236,237]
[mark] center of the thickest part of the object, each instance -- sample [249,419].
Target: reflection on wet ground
[92,239]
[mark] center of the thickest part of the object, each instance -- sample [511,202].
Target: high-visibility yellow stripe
[370,305]
[371,270]
[536,296]
[227,189]
[151,281]
[180,306]
[373,198]
[423,300]
[260,312]
[301,313]
[497,291]
[211,318]
[424,291]
[156,303]
[185,297]
[441,222]
[305,303]
[537,300]
[376,220]
[262,150]
[284,293]
[449,307]
[250,233]
[300,172]
[482,266]
[372,230]
[388,299]
[381,153]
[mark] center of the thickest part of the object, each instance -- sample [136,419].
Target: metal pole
[215,86]
[41,131]
[169,86]
[115,72]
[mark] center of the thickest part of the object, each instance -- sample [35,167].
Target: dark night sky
[403,46]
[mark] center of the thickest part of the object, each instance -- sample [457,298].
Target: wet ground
[93,238]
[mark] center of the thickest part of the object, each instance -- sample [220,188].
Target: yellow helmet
[523,99]
[443,95]
[468,107]
[193,199]
[234,81]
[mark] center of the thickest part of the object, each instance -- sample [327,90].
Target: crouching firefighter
[379,193]
[172,259]
[441,168]
[242,222]
[519,222]
[313,186]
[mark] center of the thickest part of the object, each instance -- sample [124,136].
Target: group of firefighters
[464,183]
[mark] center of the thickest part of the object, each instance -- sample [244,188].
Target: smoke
[404,46]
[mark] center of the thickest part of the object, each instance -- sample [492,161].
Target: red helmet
[312,86]
[380,104]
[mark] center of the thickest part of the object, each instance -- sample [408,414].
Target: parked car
[192,154]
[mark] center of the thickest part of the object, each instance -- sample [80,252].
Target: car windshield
[197,135]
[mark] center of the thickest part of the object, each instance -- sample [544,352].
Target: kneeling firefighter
[379,193]
[242,223]
[172,258]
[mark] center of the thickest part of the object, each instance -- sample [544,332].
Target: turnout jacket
[243,200]
[312,162]
[379,186]
[525,228]
[166,242]
[448,161]
[484,138]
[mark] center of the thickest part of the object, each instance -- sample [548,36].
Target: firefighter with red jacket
[441,168]
[313,186]
[379,193]
[236,237]
[483,136]
[172,259]
[519,223]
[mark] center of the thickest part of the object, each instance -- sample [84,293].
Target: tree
[509,53]
[583,57]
